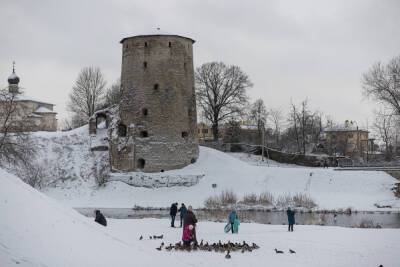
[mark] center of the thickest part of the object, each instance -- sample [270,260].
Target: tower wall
[158,104]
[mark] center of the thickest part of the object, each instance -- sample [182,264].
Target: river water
[383,219]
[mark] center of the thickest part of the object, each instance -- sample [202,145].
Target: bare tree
[220,92]
[112,95]
[88,92]
[382,83]
[294,121]
[258,114]
[15,143]
[276,117]
[385,127]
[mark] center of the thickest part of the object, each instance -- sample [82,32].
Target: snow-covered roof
[43,110]
[33,115]
[22,97]
[345,129]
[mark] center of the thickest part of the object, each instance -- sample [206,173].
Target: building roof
[156,35]
[44,110]
[345,129]
[22,98]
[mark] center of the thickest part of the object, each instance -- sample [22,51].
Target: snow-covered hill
[35,230]
[71,169]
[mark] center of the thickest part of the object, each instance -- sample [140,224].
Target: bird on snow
[228,256]
[278,251]
[141,237]
[292,251]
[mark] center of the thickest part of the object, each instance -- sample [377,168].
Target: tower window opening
[145,44]
[122,130]
[145,112]
[140,163]
[144,134]
[185,134]
[156,86]
[169,44]
[145,64]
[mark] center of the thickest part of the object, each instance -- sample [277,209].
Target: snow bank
[37,231]
[72,167]
[150,180]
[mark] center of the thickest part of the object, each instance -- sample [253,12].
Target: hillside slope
[71,169]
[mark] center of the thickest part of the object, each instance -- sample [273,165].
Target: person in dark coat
[190,219]
[100,218]
[182,212]
[172,212]
[291,220]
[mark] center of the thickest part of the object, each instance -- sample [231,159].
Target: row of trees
[221,92]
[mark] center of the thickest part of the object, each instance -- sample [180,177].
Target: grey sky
[290,49]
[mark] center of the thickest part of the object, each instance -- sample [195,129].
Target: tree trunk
[215,131]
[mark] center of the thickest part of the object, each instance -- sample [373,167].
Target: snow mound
[37,231]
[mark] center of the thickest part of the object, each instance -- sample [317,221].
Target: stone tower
[157,113]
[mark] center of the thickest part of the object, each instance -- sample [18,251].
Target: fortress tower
[157,113]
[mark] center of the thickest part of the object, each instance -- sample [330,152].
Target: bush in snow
[303,200]
[224,199]
[32,174]
[284,201]
[265,199]
[250,199]
[101,173]
[228,197]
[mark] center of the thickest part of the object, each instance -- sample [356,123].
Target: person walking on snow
[291,220]
[172,212]
[182,212]
[231,219]
[100,218]
[189,220]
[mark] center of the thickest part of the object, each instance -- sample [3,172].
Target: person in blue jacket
[291,220]
[182,212]
[232,217]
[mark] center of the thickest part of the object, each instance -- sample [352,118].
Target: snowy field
[71,167]
[35,230]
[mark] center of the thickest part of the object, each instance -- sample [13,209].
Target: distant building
[347,140]
[204,132]
[36,115]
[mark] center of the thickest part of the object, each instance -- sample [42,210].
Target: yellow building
[204,132]
[346,141]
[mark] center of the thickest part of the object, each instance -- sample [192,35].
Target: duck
[168,248]
[141,237]
[228,256]
[150,237]
[291,251]
[278,251]
[159,248]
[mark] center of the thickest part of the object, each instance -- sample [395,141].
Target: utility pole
[262,141]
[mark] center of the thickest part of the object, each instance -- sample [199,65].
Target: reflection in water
[384,219]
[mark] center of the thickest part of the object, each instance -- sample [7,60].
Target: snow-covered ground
[35,230]
[68,160]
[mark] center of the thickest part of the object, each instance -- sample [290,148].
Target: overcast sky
[292,50]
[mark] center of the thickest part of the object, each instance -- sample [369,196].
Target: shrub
[303,200]
[284,201]
[250,199]
[228,197]
[265,198]
[225,198]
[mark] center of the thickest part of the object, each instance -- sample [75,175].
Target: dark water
[383,219]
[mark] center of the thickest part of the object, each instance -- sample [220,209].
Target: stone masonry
[156,125]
